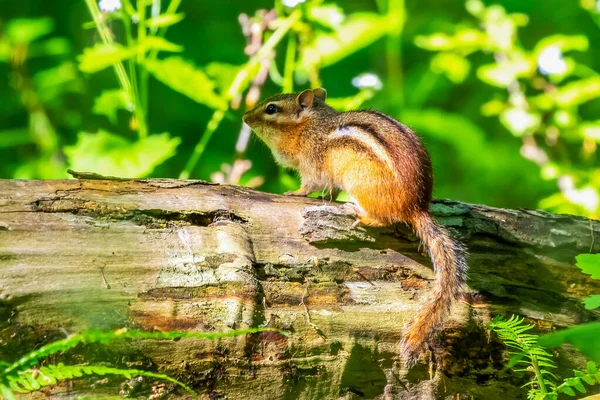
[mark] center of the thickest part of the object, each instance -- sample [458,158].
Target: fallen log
[162,254]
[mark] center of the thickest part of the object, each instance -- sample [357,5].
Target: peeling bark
[162,254]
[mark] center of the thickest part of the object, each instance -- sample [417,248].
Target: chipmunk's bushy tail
[448,256]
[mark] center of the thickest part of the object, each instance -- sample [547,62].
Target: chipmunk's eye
[272,109]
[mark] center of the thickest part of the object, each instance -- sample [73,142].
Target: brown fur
[386,169]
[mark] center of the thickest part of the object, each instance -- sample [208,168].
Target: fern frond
[97,336]
[30,359]
[539,351]
[591,377]
[584,377]
[531,395]
[547,364]
[544,372]
[20,377]
[30,380]
[514,334]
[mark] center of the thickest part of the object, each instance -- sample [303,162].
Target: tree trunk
[160,254]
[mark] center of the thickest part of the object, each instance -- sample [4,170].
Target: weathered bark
[164,255]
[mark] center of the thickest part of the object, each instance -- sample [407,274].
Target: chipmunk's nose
[246,117]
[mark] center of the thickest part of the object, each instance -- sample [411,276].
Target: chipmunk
[383,166]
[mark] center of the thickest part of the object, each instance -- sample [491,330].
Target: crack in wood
[151,218]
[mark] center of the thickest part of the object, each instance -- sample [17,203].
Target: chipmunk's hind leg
[362,217]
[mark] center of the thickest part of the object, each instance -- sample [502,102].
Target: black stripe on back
[412,139]
[366,128]
[403,128]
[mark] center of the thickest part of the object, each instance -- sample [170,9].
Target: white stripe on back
[368,140]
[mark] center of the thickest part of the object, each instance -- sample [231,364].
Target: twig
[308,319]
[95,176]
[357,272]
[104,278]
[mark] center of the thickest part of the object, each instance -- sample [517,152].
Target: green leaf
[568,391]
[585,337]
[159,43]
[475,8]
[109,154]
[579,386]
[102,56]
[183,77]
[164,20]
[589,264]
[466,40]
[571,381]
[591,367]
[52,83]
[584,377]
[590,130]
[110,101]
[24,31]
[578,92]
[327,15]
[519,121]
[358,31]
[351,102]
[563,42]
[515,359]
[592,302]
[454,67]
[55,46]
[502,74]
[222,74]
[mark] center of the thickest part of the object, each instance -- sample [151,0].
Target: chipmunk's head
[284,113]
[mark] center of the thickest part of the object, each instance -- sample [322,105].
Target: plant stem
[118,67]
[131,62]
[107,39]
[290,63]
[211,127]
[141,56]
[239,84]
[154,12]
[171,9]
[397,10]
[538,375]
[242,77]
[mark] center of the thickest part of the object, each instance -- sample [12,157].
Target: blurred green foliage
[506,95]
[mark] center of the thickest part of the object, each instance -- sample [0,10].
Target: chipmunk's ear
[320,93]
[305,99]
